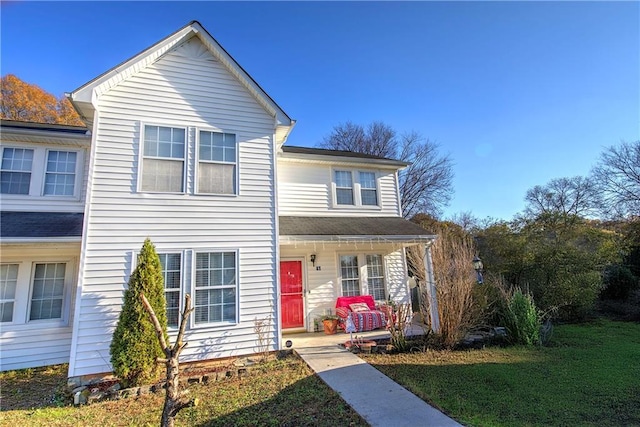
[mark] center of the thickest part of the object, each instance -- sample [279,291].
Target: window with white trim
[355,188]
[47,293]
[15,172]
[368,188]
[172,275]
[375,277]
[60,176]
[349,275]
[216,287]
[363,273]
[163,159]
[8,283]
[217,163]
[344,187]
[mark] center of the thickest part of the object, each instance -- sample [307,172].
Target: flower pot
[330,326]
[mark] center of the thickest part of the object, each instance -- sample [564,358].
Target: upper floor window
[171,273]
[15,175]
[60,176]
[163,164]
[344,188]
[355,188]
[368,188]
[217,163]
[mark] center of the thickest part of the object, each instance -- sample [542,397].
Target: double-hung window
[217,163]
[350,275]
[8,282]
[375,277]
[163,163]
[344,187]
[355,188]
[48,291]
[172,275]
[60,176]
[363,269]
[15,172]
[368,188]
[216,287]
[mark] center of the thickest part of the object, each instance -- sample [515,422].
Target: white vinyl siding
[163,166]
[39,332]
[216,287]
[15,175]
[308,189]
[60,178]
[172,276]
[185,88]
[217,163]
[8,282]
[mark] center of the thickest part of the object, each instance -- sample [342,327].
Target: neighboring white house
[184,147]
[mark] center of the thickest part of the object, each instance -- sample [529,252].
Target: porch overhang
[395,230]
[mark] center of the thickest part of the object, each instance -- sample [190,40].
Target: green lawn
[588,376]
[279,393]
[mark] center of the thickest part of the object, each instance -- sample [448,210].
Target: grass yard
[588,376]
[279,393]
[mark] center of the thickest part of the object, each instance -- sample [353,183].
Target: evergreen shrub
[135,347]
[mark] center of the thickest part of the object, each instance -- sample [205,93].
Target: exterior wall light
[312,257]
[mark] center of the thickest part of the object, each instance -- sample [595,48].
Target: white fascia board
[32,240]
[340,160]
[405,239]
[45,137]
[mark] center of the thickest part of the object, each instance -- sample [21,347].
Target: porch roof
[23,226]
[343,229]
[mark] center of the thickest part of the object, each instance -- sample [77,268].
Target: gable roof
[343,228]
[83,98]
[40,225]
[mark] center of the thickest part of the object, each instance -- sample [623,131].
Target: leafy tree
[563,199]
[618,175]
[560,264]
[425,185]
[26,102]
[135,347]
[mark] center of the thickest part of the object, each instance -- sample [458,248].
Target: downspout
[276,239]
[432,294]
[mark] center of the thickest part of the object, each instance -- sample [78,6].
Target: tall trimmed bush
[135,347]
[521,318]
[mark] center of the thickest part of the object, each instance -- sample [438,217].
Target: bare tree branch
[425,186]
[618,176]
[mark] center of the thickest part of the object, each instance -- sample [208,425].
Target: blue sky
[517,93]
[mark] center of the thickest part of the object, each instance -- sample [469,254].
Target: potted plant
[330,323]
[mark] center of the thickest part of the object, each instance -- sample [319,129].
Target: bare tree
[618,176]
[174,400]
[426,185]
[563,198]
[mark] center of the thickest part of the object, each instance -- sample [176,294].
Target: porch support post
[432,295]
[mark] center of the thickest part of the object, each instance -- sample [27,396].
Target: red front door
[291,294]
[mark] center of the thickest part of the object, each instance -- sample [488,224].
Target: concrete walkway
[378,399]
